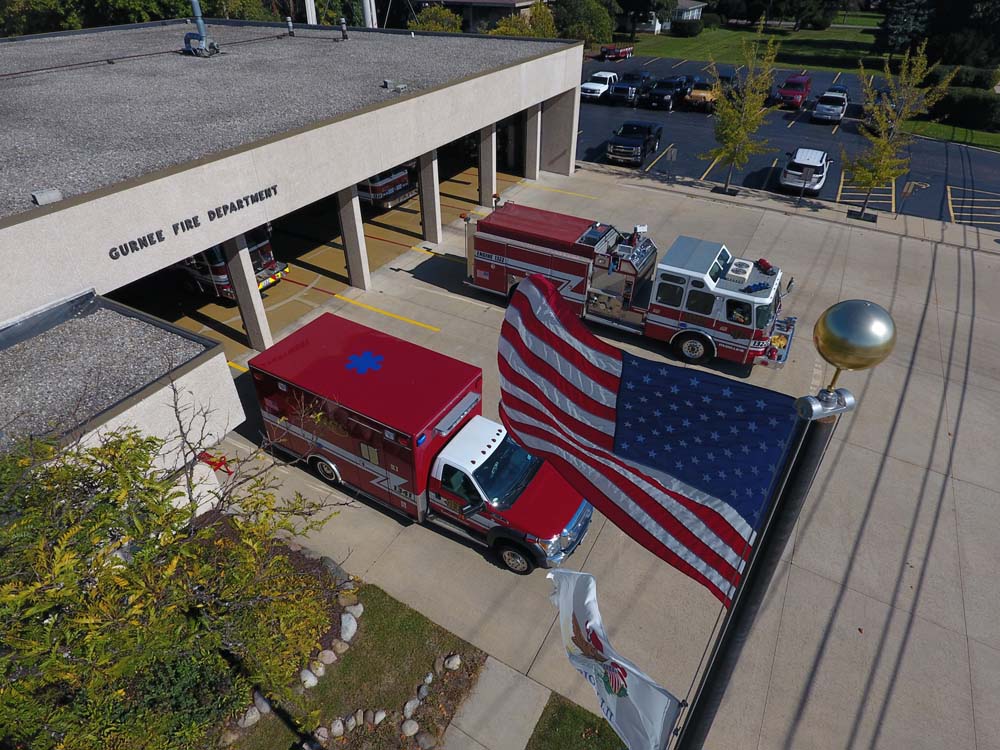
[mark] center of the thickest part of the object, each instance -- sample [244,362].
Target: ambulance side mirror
[789,285]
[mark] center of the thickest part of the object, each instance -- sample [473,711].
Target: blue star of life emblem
[362,363]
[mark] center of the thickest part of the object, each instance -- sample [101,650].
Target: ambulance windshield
[505,474]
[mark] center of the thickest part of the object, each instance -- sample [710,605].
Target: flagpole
[851,335]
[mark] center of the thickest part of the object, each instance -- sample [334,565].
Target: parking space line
[795,120]
[651,61]
[557,190]
[714,162]
[975,190]
[835,129]
[658,157]
[770,174]
[705,69]
[238,368]
[804,71]
[836,78]
[362,305]
[677,65]
[840,187]
[893,193]
[951,208]
[871,78]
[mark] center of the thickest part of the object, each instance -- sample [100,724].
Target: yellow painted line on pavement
[579,132]
[840,187]
[804,71]
[836,78]
[706,67]
[446,256]
[835,129]
[794,120]
[973,190]
[770,173]
[871,78]
[714,162]
[893,194]
[677,65]
[388,314]
[563,192]
[239,368]
[651,61]
[739,69]
[658,157]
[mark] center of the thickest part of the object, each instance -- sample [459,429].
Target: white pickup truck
[598,86]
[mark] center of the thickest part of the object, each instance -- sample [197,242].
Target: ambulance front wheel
[326,470]
[693,348]
[515,559]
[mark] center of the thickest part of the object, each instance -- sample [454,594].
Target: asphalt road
[950,182]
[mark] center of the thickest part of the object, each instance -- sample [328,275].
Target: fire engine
[616,52]
[390,188]
[698,297]
[403,425]
[206,272]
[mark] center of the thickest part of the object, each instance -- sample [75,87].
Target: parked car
[666,93]
[794,92]
[598,86]
[630,86]
[702,95]
[634,141]
[831,106]
[802,161]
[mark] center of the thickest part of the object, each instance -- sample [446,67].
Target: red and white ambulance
[697,297]
[206,272]
[403,425]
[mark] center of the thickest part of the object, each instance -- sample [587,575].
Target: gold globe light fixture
[854,335]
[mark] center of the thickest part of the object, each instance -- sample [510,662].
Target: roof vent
[46,196]
[206,46]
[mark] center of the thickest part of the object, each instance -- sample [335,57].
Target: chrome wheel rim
[693,349]
[326,471]
[514,560]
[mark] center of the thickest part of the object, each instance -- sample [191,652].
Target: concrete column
[532,140]
[352,232]
[487,165]
[244,282]
[430,196]
[560,123]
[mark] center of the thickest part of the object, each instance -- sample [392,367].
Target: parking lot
[947,181]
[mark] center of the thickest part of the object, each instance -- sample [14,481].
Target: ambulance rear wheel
[326,470]
[515,559]
[693,348]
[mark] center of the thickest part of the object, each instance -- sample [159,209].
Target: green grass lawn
[833,49]
[394,648]
[981,138]
[860,18]
[566,726]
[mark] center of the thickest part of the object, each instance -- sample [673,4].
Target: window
[369,454]
[739,312]
[765,314]
[459,483]
[697,284]
[670,294]
[672,279]
[700,302]
[715,272]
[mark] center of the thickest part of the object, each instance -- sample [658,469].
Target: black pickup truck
[666,93]
[631,86]
[634,141]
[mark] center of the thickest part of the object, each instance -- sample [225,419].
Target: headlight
[549,545]
[566,540]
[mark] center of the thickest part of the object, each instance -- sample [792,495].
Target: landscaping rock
[379,717]
[369,718]
[333,566]
[311,554]
[348,627]
[409,728]
[229,737]
[322,734]
[453,662]
[261,703]
[350,722]
[308,678]
[293,546]
[347,599]
[317,668]
[428,678]
[359,717]
[409,707]
[327,656]
[337,728]
[356,609]
[251,717]
[426,741]
[422,692]
[340,648]
[439,665]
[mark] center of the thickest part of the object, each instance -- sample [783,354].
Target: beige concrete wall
[61,252]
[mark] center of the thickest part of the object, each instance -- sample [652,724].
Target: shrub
[711,20]
[970,108]
[687,27]
[821,20]
[966,77]
[436,18]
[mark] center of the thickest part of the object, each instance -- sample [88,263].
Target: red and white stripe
[559,390]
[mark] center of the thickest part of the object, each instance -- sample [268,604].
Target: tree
[128,620]
[638,11]
[588,20]
[543,23]
[740,110]
[904,97]
[436,18]
[905,22]
[513,25]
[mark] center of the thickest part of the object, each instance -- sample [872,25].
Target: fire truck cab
[698,297]
[206,272]
[390,188]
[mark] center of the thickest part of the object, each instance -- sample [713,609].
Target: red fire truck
[206,272]
[616,52]
[404,426]
[390,188]
[697,297]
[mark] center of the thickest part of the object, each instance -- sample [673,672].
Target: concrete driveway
[880,628]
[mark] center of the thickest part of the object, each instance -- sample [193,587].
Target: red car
[794,92]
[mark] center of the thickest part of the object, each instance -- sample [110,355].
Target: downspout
[206,46]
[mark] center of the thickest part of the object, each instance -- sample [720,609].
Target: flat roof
[394,382]
[83,361]
[692,253]
[535,225]
[76,123]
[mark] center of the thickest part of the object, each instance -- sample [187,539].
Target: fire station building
[123,157]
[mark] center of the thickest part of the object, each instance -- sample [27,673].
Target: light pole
[850,335]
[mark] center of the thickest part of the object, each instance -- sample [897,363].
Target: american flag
[681,460]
